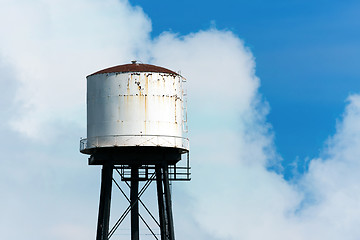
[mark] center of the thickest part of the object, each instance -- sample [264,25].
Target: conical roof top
[135,67]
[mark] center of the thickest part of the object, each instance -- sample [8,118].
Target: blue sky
[306,57]
[274,112]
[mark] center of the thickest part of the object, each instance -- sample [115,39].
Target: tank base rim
[139,155]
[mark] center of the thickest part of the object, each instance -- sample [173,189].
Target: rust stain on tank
[146,84]
[146,111]
[175,111]
[128,84]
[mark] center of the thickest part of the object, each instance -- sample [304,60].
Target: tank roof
[135,67]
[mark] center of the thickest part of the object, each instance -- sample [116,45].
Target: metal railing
[134,140]
[176,173]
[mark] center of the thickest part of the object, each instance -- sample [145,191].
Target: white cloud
[333,181]
[50,46]
[53,45]
[238,201]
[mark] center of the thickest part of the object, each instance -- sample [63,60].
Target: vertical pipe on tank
[105,201]
[134,203]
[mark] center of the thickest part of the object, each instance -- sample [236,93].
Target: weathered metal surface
[134,109]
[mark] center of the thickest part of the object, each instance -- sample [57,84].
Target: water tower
[136,120]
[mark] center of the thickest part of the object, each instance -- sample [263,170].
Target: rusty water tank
[135,105]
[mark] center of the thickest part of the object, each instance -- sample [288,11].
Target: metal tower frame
[161,172]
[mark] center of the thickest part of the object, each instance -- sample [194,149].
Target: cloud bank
[46,50]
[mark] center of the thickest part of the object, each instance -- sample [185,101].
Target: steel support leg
[105,201]
[160,195]
[169,215]
[134,203]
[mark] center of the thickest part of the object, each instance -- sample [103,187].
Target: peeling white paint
[135,109]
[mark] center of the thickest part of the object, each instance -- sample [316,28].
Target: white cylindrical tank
[135,105]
